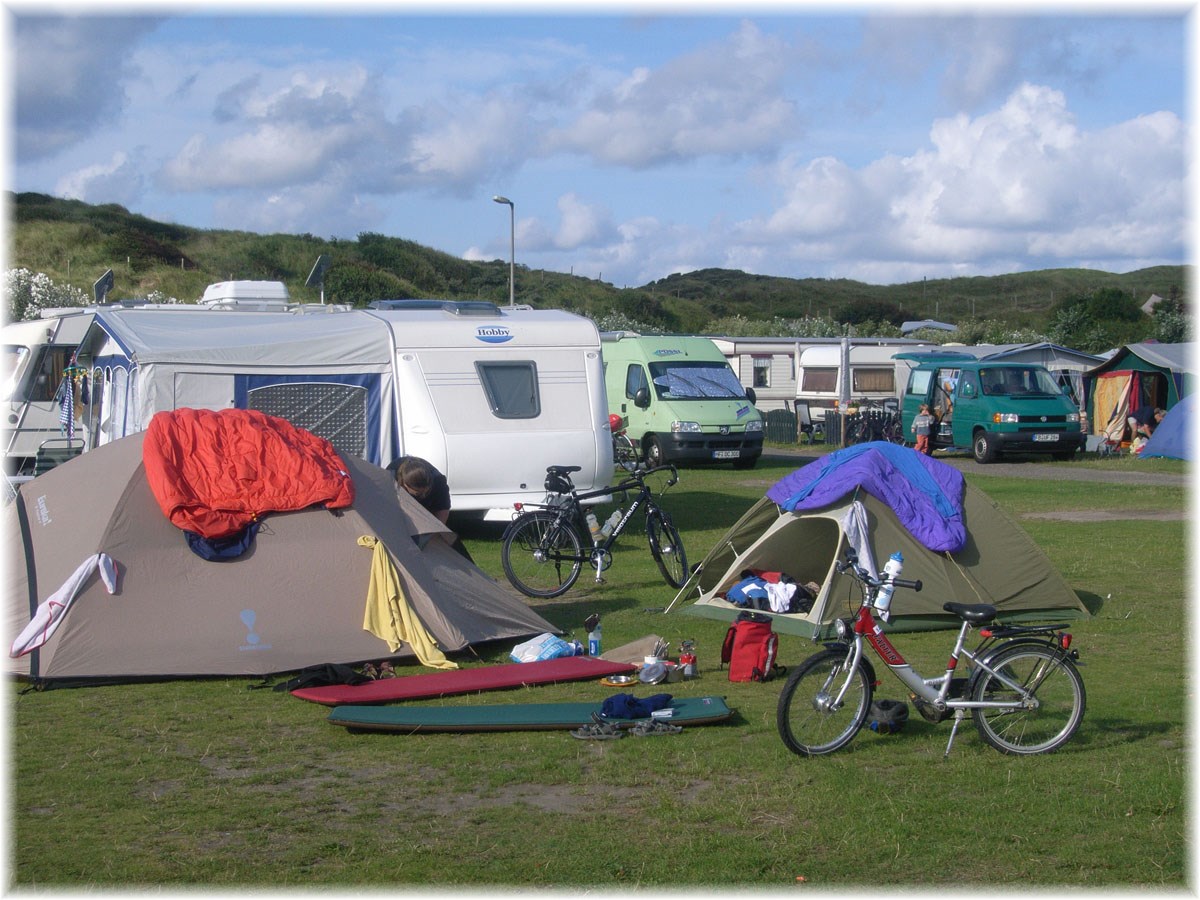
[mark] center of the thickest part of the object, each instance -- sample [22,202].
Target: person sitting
[422,481]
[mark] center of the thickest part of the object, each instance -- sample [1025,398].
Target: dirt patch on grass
[1105,515]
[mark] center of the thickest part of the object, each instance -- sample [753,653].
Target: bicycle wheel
[625,454]
[667,548]
[806,722]
[1054,682]
[541,554]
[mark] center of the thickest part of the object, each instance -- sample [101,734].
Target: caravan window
[16,358]
[818,379]
[874,381]
[49,374]
[511,389]
[762,371]
[679,380]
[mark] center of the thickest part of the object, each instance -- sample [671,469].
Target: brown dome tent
[295,598]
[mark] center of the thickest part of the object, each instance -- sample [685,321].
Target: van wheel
[984,448]
[654,452]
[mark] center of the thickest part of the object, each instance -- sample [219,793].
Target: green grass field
[212,784]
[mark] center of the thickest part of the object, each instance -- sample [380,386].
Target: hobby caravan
[490,396]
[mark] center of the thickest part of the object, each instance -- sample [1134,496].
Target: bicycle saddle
[975,613]
[562,470]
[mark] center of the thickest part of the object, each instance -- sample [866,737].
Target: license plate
[1045,437]
[726,454]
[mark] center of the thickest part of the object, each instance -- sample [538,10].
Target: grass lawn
[212,784]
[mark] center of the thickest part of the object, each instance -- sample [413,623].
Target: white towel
[50,614]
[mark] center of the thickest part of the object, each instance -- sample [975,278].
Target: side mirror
[642,398]
[751,396]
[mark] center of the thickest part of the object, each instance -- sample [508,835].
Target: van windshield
[1018,381]
[695,381]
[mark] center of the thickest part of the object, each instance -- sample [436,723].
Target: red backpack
[750,647]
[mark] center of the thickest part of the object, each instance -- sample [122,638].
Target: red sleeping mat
[464,681]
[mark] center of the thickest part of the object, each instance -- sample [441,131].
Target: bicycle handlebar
[859,573]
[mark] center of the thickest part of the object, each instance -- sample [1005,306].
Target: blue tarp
[925,494]
[1170,438]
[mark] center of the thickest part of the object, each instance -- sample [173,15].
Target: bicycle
[625,454]
[544,548]
[1023,689]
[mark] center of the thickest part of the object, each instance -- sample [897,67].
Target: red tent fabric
[213,472]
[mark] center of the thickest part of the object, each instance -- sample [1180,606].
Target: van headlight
[1073,417]
[689,427]
[755,425]
[1005,418]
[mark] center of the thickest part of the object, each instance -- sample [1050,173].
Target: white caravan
[818,371]
[37,354]
[490,396]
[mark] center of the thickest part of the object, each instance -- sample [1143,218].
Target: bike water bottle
[891,571]
[594,527]
[612,523]
[594,640]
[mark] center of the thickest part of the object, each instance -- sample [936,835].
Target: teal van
[681,401]
[993,407]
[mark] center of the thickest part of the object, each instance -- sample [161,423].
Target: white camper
[818,372]
[489,396]
[37,354]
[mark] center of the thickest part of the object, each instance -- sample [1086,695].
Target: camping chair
[48,457]
[809,430]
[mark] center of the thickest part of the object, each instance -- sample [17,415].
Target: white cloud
[1017,183]
[725,100]
[120,180]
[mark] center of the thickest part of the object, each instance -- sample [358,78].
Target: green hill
[74,243]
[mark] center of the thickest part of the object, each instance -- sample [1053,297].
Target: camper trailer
[37,354]
[490,397]
[812,371]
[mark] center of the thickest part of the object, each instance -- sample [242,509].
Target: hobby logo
[493,334]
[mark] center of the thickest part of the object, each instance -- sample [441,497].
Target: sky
[884,144]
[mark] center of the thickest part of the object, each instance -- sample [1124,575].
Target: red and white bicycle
[1022,687]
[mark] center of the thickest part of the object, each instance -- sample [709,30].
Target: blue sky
[884,147]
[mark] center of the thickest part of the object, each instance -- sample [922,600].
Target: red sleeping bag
[215,472]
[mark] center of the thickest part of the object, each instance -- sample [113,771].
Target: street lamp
[512,246]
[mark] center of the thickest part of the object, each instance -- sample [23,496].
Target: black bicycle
[546,546]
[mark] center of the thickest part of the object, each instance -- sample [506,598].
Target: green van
[681,401]
[993,407]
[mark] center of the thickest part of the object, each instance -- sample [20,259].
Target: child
[922,426]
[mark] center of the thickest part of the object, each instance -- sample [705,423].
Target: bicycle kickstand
[959,715]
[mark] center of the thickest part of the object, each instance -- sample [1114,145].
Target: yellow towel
[388,615]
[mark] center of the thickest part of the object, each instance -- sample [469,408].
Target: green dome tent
[998,563]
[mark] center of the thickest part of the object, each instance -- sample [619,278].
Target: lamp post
[512,246]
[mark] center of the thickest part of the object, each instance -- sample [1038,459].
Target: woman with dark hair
[425,484]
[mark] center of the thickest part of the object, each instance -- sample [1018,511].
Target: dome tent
[984,556]
[296,598]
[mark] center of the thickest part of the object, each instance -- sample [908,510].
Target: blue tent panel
[1172,436]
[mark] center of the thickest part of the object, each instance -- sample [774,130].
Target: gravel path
[1128,472]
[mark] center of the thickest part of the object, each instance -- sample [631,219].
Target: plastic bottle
[594,641]
[883,600]
[594,527]
[612,523]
